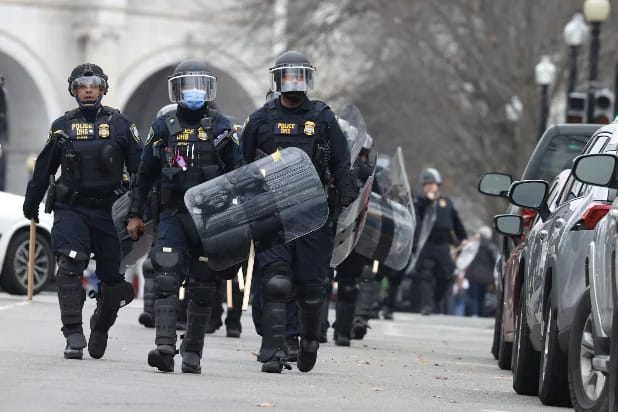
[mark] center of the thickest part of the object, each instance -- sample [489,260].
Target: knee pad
[347,292]
[165,259]
[277,288]
[68,266]
[204,294]
[309,296]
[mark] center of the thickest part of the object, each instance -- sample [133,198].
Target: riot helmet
[431,175]
[88,74]
[192,84]
[292,72]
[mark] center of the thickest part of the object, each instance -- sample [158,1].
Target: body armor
[300,130]
[91,159]
[188,157]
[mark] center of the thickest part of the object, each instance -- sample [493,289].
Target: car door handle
[559,223]
[543,234]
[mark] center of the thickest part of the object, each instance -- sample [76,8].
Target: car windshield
[558,156]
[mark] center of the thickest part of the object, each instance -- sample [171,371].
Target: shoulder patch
[150,136]
[134,133]
[49,136]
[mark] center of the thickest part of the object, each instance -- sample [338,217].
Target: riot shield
[467,254]
[277,198]
[426,226]
[353,126]
[132,250]
[388,233]
[350,224]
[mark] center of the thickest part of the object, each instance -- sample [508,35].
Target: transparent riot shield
[350,224]
[277,198]
[425,230]
[132,250]
[388,233]
[468,253]
[353,126]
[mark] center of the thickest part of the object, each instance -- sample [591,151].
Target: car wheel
[553,379]
[525,359]
[495,345]
[587,387]
[14,277]
[505,349]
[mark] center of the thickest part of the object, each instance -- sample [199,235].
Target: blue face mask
[193,99]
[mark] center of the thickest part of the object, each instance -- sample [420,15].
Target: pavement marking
[15,305]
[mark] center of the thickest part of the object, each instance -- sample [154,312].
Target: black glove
[31,209]
[347,190]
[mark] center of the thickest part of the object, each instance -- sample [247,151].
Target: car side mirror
[597,169]
[512,225]
[495,184]
[531,194]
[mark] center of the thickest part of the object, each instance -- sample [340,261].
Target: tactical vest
[188,157]
[92,160]
[300,130]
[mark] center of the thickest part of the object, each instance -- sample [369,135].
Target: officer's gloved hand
[347,190]
[31,209]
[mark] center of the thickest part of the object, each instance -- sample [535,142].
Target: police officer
[293,120]
[91,144]
[350,270]
[434,268]
[184,148]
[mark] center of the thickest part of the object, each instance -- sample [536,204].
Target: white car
[14,244]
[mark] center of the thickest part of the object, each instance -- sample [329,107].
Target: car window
[553,196]
[559,155]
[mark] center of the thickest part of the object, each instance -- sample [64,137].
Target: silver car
[554,279]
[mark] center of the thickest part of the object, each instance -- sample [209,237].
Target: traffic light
[603,106]
[577,106]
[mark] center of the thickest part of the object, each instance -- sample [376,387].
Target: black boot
[71,296]
[293,347]
[109,300]
[273,353]
[147,317]
[193,342]
[309,316]
[343,323]
[232,320]
[162,357]
[359,327]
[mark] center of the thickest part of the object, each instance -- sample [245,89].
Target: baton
[31,249]
[241,280]
[230,303]
[245,297]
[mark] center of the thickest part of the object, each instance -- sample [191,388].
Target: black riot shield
[277,198]
[388,233]
[132,250]
[350,224]
[353,126]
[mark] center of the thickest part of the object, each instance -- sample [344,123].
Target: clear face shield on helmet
[192,87]
[291,79]
[87,82]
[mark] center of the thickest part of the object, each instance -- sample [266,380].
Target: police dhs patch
[103,130]
[309,128]
[134,133]
[150,136]
[201,134]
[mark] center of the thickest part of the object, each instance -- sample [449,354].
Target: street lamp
[544,74]
[575,32]
[596,12]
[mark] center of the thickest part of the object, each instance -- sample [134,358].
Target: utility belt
[71,197]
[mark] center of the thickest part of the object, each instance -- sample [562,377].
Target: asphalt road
[414,363]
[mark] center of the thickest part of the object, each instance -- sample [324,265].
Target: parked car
[554,277]
[553,153]
[593,338]
[14,244]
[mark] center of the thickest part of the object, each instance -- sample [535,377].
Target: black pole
[572,76]
[595,44]
[544,110]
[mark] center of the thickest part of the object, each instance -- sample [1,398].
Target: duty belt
[76,199]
